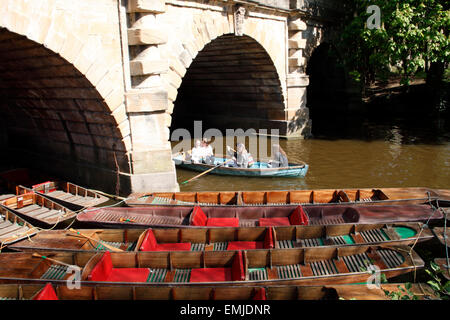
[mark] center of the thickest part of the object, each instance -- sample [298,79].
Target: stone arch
[68,112]
[206,29]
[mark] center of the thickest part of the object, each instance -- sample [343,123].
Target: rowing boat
[258,169]
[115,292]
[67,194]
[287,197]
[38,210]
[13,228]
[252,216]
[223,239]
[301,266]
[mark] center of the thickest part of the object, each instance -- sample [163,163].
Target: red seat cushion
[185,246]
[102,269]
[298,217]
[281,221]
[245,245]
[260,294]
[268,239]
[198,217]
[210,274]
[149,243]
[222,222]
[47,293]
[237,268]
[129,275]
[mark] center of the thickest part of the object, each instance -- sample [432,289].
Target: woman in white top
[197,153]
[207,152]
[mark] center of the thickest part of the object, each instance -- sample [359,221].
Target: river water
[358,153]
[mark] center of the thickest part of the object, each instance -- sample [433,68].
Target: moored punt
[37,209]
[13,228]
[221,239]
[288,197]
[439,233]
[445,268]
[258,169]
[115,292]
[66,194]
[252,216]
[303,266]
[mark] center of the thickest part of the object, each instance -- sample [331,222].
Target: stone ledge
[298,81]
[147,100]
[153,6]
[146,37]
[297,25]
[147,67]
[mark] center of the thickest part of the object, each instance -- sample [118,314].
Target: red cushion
[267,222]
[237,268]
[185,246]
[245,245]
[102,269]
[128,275]
[268,239]
[298,217]
[260,294]
[149,243]
[46,294]
[223,222]
[210,274]
[198,217]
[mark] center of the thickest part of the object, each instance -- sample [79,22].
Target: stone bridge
[89,88]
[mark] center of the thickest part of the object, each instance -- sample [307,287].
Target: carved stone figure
[239,17]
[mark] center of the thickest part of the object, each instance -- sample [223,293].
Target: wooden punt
[39,210]
[439,233]
[222,239]
[66,194]
[442,263]
[252,216]
[258,169]
[302,266]
[114,292]
[13,228]
[285,197]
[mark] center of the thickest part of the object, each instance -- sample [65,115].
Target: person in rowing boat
[197,152]
[208,153]
[241,157]
[280,159]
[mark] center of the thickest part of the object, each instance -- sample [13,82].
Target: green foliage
[442,290]
[402,293]
[413,34]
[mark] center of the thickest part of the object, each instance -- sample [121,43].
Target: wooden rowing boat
[67,194]
[114,292]
[287,197]
[252,216]
[13,228]
[302,266]
[439,233]
[258,169]
[38,210]
[222,239]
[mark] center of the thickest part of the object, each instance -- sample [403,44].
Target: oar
[207,171]
[37,255]
[98,241]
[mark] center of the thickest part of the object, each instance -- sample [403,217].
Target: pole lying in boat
[98,241]
[207,171]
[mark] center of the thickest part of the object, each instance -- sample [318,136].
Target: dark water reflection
[355,153]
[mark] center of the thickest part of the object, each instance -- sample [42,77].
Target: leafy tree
[414,35]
